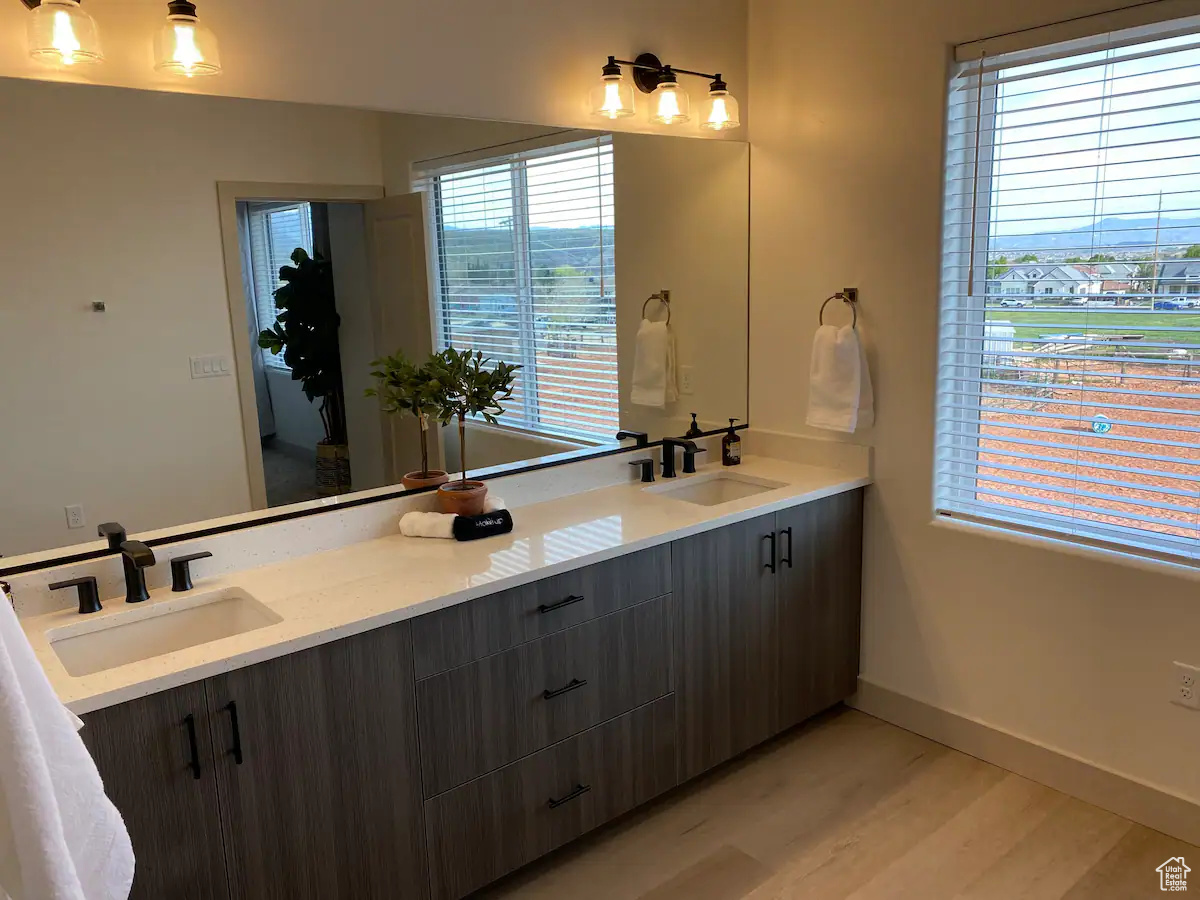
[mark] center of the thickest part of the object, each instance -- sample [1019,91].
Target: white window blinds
[276,230]
[1069,354]
[524,266]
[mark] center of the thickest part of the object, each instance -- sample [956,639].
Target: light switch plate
[210,366]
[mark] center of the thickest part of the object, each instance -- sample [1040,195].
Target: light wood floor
[850,806]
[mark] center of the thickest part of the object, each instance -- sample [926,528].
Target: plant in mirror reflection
[467,384]
[306,333]
[402,386]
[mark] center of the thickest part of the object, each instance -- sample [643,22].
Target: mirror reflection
[214,306]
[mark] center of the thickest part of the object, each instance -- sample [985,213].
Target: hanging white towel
[840,397]
[60,836]
[439,525]
[654,381]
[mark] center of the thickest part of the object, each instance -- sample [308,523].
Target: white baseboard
[1142,803]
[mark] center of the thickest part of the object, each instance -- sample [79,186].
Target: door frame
[228,195]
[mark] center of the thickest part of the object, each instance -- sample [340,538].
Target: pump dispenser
[731,447]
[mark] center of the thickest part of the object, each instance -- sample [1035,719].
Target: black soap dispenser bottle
[693,429]
[731,447]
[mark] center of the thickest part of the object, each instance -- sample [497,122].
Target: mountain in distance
[1106,234]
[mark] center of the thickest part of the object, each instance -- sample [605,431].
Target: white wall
[297,420]
[532,61]
[111,195]
[847,190]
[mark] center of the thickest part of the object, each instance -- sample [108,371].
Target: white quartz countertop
[337,593]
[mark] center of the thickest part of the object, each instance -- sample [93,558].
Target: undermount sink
[717,488]
[156,628]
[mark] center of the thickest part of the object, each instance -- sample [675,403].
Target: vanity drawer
[486,714]
[472,630]
[495,824]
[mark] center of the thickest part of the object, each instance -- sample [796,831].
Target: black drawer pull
[579,791]
[788,558]
[190,721]
[571,685]
[770,564]
[236,749]
[566,601]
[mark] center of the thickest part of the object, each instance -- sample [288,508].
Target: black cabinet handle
[788,558]
[566,601]
[190,721]
[579,791]
[770,564]
[573,684]
[236,749]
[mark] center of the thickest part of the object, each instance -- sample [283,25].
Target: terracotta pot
[414,480]
[454,498]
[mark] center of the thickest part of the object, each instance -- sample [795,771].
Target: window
[276,230]
[525,273]
[1088,427]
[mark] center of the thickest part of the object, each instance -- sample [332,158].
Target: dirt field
[1081,389]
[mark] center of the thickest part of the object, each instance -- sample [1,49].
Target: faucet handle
[181,571]
[115,532]
[689,459]
[89,596]
[647,465]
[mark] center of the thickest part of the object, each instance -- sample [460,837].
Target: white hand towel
[439,525]
[60,836]
[839,387]
[654,380]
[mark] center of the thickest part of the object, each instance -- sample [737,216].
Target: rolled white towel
[439,525]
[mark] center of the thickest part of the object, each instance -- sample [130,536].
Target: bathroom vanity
[457,737]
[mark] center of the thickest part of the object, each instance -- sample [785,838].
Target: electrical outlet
[75,517]
[1185,685]
[686,380]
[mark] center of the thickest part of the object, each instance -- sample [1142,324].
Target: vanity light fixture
[669,102]
[62,34]
[183,46]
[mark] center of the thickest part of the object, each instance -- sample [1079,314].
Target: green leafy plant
[306,333]
[467,384]
[402,386]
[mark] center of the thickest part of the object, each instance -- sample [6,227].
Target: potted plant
[402,386]
[467,385]
[306,333]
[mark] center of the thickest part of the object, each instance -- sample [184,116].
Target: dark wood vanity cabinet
[149,753]
[308,787]
[431,757]
[766,627]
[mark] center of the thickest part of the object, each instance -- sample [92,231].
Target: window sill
[1071,548]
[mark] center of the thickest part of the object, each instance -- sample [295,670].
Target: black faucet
[136,556]
[641,437]
[668,456]
[114,533]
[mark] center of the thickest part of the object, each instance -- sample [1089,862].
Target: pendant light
[720,110]
[61,34]
[612,98]
[183,46]
[670,102]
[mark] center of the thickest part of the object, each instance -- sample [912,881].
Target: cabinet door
[143,751]
[725,648]
[818,591]
[320,784]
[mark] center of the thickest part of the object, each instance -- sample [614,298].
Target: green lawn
[1032,324]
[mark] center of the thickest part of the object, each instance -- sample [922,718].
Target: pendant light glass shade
[62,34]
[612,98]
[720,110]
[669,102]
[183,46]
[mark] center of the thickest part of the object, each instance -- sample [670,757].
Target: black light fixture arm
[648,70]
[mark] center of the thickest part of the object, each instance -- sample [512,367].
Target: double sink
[88,646]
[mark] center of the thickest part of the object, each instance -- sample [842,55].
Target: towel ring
[663,297]
[849,296]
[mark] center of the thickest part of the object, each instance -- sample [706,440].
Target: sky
[1097,136]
